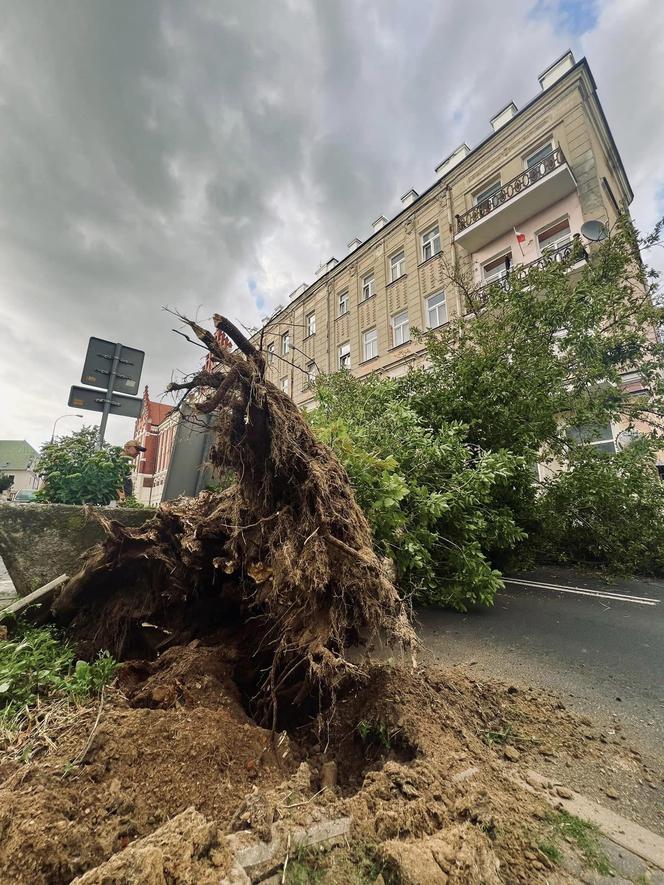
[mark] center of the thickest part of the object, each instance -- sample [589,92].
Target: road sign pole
[108,399]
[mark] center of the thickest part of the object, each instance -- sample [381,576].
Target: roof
[16,454]
[158,411]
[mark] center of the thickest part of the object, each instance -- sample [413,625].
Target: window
[400,328]
[367,286]
[312,371]
[343,303]
[430,243]
[397,266]
[483,198]
[370,339]
[537,156]
[601,437]
[344,356]
[283,383]
[311,324]
[497,269]
[554,237]
[436,310]
[270,353]
[285,343]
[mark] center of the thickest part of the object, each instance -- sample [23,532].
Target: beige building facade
[523,192]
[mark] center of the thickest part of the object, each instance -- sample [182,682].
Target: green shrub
[432,500]
[605,510]
[36,664]
[75,471]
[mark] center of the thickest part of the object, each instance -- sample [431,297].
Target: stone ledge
[38,542]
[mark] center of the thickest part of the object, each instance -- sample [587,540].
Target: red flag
[520,238]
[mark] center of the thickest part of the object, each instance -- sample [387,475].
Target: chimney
[503,116]
[300,289]
[453,160]
[409,197]
[381,221]
[325,266]
[555,71]
[352,246]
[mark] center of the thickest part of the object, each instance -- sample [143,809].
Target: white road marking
[584,591]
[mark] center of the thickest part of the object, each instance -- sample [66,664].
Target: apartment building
[520,194]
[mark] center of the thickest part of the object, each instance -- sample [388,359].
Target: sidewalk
[7,591]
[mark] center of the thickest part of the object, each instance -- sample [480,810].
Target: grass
[497,737]
[584,835]
[551,850]
[37,664]
[352,864]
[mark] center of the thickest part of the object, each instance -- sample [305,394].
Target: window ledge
[397,346]
[342,315]
[398,280]
[370,360]
[364,300]
[429,260]
[439,326]
[306,337]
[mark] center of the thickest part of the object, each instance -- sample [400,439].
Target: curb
[634,838]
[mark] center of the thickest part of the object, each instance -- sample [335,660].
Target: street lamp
[68,415]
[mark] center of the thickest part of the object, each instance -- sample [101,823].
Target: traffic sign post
[110,367]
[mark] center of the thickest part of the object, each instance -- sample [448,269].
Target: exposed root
[284,557]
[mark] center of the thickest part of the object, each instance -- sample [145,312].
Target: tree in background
[5,483]
[444,459]
[74,471]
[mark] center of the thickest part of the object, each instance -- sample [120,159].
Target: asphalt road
[599,646]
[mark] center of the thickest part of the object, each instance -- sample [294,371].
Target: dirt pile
[409,760]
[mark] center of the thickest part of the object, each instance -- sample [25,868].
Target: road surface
[599,646]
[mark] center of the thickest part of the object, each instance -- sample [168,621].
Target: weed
[376,733]
[497,737]
[35,664]
[586,838]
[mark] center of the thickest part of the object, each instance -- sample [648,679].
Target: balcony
[530,192]
[571,254]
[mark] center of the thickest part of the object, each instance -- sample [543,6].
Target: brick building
[147,432]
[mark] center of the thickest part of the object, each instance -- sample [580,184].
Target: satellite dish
[594,231]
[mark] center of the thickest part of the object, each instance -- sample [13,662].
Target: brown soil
[174,734]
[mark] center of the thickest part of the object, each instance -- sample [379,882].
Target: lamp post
[68,415]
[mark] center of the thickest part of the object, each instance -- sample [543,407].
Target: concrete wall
[38,542]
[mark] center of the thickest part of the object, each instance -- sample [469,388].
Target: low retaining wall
[38,542]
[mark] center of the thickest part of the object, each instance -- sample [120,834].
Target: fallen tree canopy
[280,565]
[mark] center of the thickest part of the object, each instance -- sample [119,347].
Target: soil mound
[408,752]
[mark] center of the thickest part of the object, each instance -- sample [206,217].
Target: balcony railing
[569,253]
[513,188]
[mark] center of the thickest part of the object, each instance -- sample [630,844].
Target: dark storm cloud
[208,155]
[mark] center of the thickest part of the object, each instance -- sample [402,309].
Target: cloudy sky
[207,156]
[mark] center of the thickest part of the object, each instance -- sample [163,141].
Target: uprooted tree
[279,567]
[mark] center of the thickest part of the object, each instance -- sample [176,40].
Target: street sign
[95,401]
[99,365]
